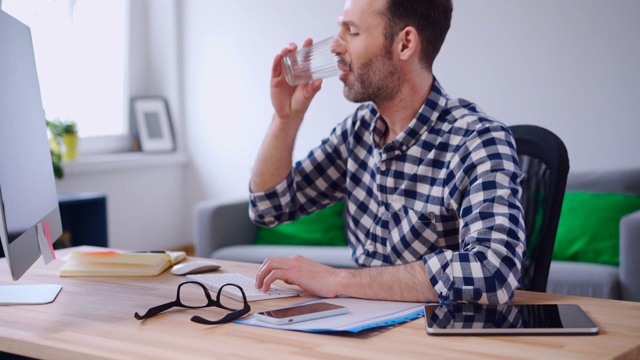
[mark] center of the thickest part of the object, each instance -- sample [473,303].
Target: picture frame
[152,124]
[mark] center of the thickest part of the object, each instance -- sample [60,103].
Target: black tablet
[507,319]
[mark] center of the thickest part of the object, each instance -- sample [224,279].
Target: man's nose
[338,46]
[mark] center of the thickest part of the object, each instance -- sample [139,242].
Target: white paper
[362,315]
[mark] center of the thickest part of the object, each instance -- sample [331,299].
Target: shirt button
[383,167]
[369,247]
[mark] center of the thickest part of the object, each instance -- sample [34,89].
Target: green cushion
[324,227]
[589,227]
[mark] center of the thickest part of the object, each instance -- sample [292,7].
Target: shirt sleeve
[487,180]
[315,182]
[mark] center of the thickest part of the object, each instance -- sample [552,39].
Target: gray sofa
[596,280]
[223,231]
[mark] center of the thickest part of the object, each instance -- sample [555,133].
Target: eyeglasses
[185,298]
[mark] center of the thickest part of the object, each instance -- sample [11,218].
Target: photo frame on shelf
[153,124]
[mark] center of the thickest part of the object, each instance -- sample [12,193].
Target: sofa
[600,280]
[223,231]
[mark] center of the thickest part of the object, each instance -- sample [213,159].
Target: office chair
[544,158]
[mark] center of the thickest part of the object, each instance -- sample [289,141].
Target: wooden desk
[92,318]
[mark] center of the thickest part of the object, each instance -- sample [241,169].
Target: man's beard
[375,80]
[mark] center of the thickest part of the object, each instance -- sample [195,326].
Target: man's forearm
[397,282]
[274,160]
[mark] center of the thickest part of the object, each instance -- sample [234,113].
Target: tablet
[508,319]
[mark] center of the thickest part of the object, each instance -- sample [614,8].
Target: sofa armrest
[629,255]
[222,223]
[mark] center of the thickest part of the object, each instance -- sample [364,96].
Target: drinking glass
[318,61]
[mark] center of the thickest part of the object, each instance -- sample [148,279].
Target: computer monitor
[28,196]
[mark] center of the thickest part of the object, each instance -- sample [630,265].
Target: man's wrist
[287,125]
[344,282]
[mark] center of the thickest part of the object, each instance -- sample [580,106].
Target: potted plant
[63,142]
[70,140]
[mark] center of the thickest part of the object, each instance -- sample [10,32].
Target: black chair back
[544,158]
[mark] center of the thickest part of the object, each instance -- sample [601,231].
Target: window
[82,59]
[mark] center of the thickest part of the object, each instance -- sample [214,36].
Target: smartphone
[298,313]
[507,319]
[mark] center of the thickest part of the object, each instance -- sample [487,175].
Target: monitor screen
[28,196]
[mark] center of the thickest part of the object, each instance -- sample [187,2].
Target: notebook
[114,263]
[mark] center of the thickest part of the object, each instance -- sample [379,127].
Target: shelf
[123,161]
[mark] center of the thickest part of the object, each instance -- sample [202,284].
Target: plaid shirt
[446,191]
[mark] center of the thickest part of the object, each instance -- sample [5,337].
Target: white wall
[146,206]
[570,66]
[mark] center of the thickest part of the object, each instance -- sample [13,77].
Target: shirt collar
[424,119]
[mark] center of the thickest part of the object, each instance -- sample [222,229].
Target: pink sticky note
[47,235]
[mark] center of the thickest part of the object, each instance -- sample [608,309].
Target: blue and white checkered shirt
[446,190]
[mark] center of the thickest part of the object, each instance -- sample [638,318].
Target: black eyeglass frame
[235,314]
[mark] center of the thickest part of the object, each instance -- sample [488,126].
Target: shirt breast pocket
[412,233]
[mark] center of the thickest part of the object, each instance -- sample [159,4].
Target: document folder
[362,315]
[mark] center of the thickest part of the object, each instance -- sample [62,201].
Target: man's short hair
[431,18]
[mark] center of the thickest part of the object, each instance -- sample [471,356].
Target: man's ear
[408,43]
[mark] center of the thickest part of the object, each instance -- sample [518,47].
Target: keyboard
[214,281]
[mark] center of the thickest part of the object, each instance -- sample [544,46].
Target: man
[432,184]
